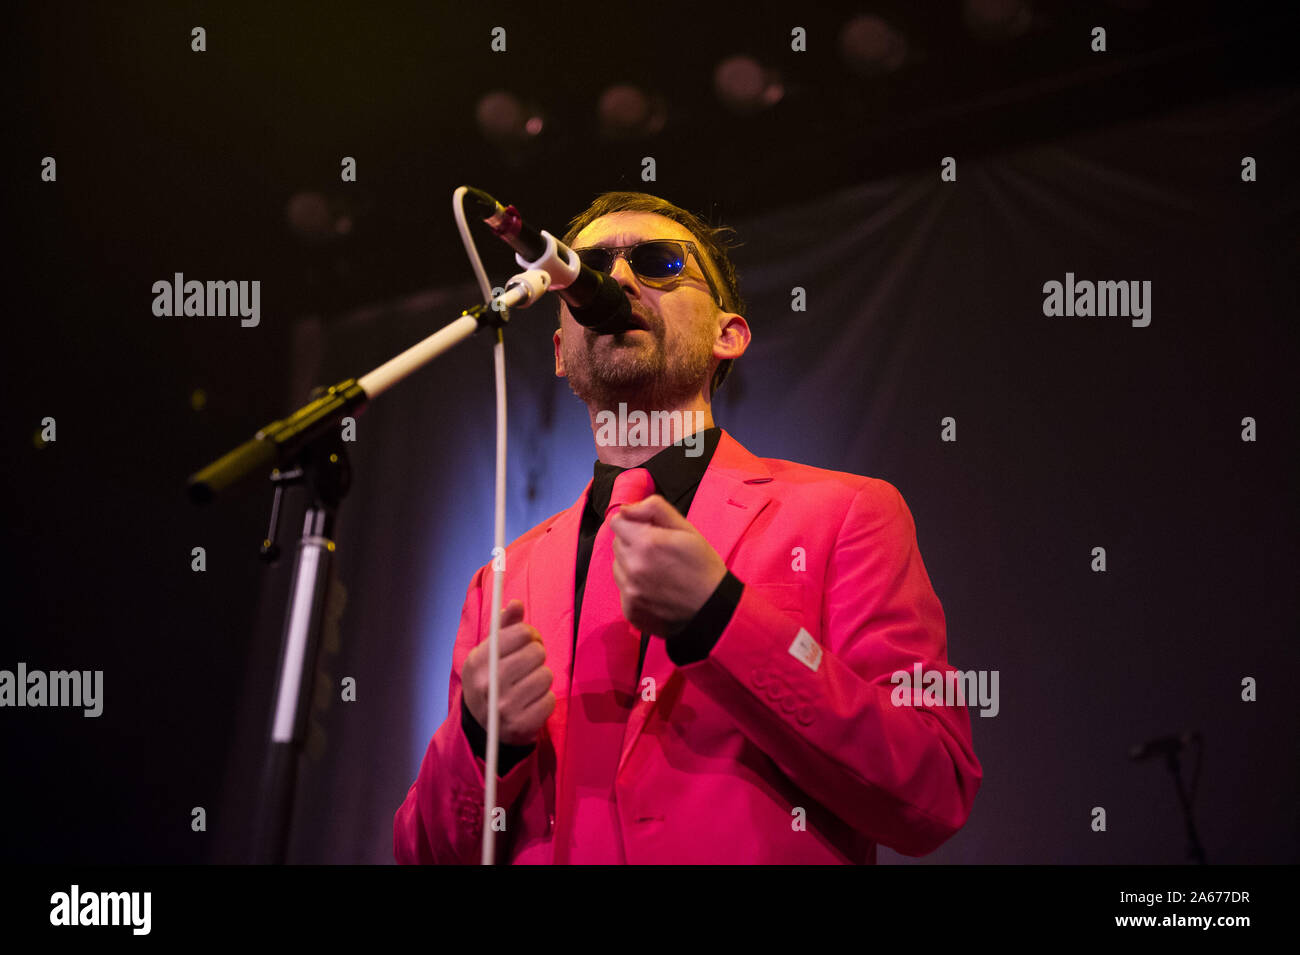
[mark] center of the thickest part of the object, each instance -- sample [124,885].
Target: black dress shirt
[676,476]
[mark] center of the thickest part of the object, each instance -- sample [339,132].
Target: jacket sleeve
[904,776]
[441,820]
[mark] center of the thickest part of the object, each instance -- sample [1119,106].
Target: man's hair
[710,240]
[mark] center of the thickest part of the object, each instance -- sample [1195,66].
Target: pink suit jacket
[717,767]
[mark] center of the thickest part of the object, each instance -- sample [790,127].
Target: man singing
[696,657]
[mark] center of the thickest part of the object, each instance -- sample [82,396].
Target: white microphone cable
[498,536]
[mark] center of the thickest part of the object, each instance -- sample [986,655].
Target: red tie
[604,684]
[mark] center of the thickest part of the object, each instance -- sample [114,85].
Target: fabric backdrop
[924,302]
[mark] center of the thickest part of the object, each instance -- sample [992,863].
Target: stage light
[869,45]
[997,19]
[315,219]
[745,86]
[628,112]
[505,120]
[309,216]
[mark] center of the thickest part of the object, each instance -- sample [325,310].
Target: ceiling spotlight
[628,112]
[744,86]
[869,45]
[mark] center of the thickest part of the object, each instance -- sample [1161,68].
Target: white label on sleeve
[806,650]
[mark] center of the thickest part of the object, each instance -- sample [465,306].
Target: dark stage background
[924,301]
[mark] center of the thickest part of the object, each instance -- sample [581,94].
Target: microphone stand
[1194,849]
[308,445]
[326,473]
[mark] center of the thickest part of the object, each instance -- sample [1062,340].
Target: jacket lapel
[730,496]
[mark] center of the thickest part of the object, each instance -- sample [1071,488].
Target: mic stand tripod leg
[326,473]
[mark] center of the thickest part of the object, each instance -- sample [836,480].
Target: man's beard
[638,368]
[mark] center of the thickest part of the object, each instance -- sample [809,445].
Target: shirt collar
[675,472]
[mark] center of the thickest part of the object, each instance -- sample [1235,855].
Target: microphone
[595,299]
[1163,746]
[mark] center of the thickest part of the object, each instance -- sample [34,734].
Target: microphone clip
[563,273]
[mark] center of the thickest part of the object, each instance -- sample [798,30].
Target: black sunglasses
[654,259]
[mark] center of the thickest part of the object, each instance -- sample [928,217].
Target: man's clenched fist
[524,679]
[664,568]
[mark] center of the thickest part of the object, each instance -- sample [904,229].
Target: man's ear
[558,339]
[733,336]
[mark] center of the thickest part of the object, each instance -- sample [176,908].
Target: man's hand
[664,568]
[524,681]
